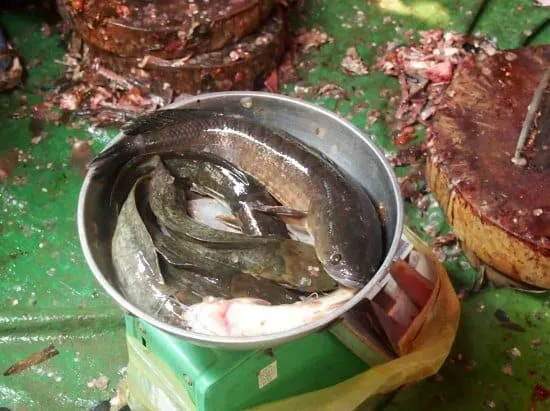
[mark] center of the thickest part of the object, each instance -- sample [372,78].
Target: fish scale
[341,216]
[278,259]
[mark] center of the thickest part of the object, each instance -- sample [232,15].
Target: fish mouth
[346,278]
[346,282]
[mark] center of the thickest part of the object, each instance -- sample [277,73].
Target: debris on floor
[100,383]
[352,63]
[424,71]
[33,359]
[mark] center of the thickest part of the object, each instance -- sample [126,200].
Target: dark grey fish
[247,286]
[288,262]
[342,219]
[193,287]
[247,199]
[136,264]
[127,177]
[167,200]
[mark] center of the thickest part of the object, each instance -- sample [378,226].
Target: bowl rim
[268,340]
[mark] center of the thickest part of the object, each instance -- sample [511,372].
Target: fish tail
[111,159]
[134,133]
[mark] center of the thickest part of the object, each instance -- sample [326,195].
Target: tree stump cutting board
[499,210]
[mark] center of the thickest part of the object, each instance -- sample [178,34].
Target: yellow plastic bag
[425,345]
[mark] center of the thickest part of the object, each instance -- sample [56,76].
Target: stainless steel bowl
[317,127]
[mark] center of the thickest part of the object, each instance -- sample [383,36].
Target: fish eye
[335,258]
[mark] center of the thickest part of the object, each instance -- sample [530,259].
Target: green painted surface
[49,295]
[482,371]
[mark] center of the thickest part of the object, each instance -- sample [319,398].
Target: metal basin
[345,144]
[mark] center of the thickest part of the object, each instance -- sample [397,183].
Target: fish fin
[115,190]
[206,191]
[159,119]
[192,195]
[297,224]
[111,159]
[230,221]
[278,210]
[175,297]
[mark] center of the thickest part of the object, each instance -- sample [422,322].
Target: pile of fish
[227,227]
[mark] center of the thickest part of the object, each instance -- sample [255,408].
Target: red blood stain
[540,394]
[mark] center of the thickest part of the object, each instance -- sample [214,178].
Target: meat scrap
[352,63]
[424,71]
[33,359]
[311,39]
[271,83]
[331,91]
[100,383]
[412,185]
[286,71]
[297,45]
[105,97]
[446,239]
[409,156]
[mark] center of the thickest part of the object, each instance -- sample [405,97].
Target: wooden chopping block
[164,28]
[499,210]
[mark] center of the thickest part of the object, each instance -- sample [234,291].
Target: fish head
[346,265]
[343,248]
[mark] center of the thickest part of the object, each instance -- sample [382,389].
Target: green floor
[49,295]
